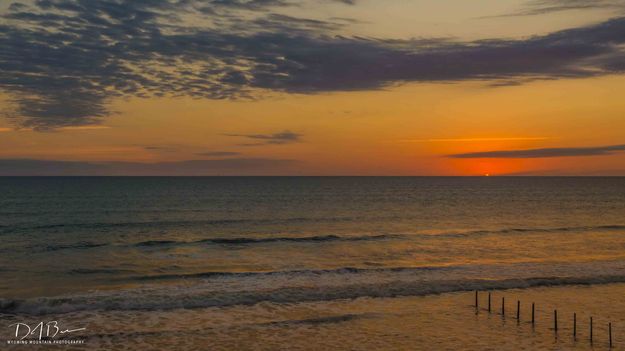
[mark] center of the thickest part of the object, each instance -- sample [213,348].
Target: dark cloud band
[542,7]
[226,166]
[547,152]
[218,153]
[285,137]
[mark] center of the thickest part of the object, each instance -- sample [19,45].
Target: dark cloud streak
[226,166]
[286,137]
[546,152]
[218,153]
[543,7]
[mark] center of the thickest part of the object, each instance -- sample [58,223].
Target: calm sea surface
[74,244]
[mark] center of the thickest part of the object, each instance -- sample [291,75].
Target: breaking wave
[173,223]
[169,298]
[309,272]
[525,230]
[235,241]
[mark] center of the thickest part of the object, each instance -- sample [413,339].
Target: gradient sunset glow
[314,87]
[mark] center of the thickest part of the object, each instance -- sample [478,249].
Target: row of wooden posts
[555,317]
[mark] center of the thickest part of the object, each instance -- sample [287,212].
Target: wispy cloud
[541,7]
[286,137]
[441,140]
[546,152]
[218,153]
[88,127]
[160,148]
[68,128]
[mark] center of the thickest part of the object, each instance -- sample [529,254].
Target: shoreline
[202,294]
[443,321]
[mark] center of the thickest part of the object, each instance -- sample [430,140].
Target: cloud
[88,127]
[218,153]
[160,148]
[229,166]
[570,172]
[69,128]
[541,7]
[547,152]
[472,139]
[286,137]
[278,23]
[252,5]
[64,61]
[256,5]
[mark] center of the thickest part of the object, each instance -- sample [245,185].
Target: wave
[310,272]
[180,223]
[7,229]
[310,239]
[249,240]
[176,298]
[526,230]
[78,245]
[318,238]
[331,237]
[157,242]
[322,320]
[107,210]
[98,271]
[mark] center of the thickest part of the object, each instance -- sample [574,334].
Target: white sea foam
[216,292]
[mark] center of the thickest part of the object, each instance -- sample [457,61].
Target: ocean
[242,259]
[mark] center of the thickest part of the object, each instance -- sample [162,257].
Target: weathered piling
[475,299]
[591,330]
[555,320]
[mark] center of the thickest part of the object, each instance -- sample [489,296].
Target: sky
[312,87]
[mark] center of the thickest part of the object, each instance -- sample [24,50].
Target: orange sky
[402,127]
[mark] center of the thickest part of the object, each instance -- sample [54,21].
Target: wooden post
[574,325]
[489,302]
[518,310]
[532,313]
[475,299]
[591,330]
[503,306]
[555,320]
[610,333]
